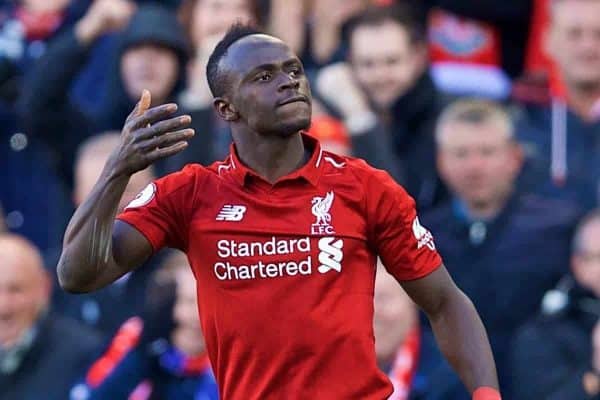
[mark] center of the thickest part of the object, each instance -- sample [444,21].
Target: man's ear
[225,109]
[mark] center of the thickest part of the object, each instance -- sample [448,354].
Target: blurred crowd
[487,112]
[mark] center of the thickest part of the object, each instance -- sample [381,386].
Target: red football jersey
[285,272]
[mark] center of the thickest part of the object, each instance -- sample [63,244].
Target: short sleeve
[162,211]
[405,246]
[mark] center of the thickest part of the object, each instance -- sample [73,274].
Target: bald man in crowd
[504,248]
[108,308]
[41,354]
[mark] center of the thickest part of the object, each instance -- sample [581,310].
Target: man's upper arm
[130,247]
[430,291]
[405,247]
[161,213]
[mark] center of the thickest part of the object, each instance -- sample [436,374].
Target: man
[276,321]
[389,104]
[106,309]
[151,53]
[562,137]
[26,27]
[162,350]
[504,249]
[566,335]
[41,354]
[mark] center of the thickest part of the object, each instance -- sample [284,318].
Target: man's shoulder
[356,168]
[187,176]
[442,215]
[535,209]
[71,333]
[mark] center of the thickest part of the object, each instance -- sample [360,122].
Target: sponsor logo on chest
[280,257]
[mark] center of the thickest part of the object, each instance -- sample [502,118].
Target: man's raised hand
[148,135]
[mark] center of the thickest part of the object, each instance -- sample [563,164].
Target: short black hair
[403,14]
[216,79]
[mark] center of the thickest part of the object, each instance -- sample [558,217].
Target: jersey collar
[311,171]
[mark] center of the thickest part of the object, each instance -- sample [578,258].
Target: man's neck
[271,157]
[582,99]
[486,211]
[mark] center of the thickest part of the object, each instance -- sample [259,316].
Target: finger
[141,106]
[168,139]
[166,151]
[152,115]
[145,102]
[162,127]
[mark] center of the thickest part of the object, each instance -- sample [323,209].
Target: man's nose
[288,82]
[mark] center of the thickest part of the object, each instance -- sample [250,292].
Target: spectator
[106,309]
[557,355]
[410,359]
[152,55]
[25,29]
[207,21]
[563,137]
[477,47]
[165,357]
[504,249]
[389,104]
[41,354]
[315,30]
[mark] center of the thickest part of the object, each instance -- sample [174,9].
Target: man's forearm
[461,336]
[87,245]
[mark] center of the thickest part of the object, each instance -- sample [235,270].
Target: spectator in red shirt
[282,239]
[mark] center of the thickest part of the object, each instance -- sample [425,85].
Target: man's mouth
[293,99]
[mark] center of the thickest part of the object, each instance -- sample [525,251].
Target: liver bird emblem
[320,208]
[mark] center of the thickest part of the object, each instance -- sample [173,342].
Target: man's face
[269,90]
[214,17]
[574,41]
[24,290]
[386,63]
[586,260]
[88,171]
[152,67]
[478,161]
[394,317]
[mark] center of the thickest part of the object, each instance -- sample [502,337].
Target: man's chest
[250,238]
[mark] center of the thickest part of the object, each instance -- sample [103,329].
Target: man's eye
[295,72]
[264,77]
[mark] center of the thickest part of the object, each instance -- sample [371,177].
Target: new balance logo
[231,213]
[331,254]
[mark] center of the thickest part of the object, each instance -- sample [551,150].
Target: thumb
[144,103]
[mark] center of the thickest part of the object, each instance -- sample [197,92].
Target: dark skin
[263,75]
